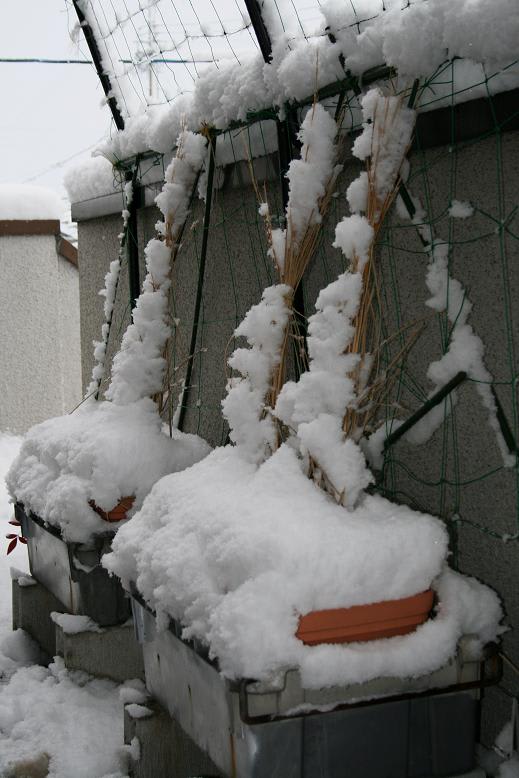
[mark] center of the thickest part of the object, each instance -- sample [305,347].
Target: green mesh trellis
[466,148]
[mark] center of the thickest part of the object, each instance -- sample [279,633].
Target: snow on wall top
[414,36]
[415,39]
[24,202]
[93,177]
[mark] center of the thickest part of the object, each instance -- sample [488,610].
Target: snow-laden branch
[139,366]
[250,396]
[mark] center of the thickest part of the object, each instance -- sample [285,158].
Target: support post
[436,399]
[286,132]
[96,57]
[200,284]
[132,242]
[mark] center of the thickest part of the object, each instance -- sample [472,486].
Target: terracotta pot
[365,622]
[118,513]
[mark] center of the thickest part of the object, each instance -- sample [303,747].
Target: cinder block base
[165,751]
[32,606]
[113,653]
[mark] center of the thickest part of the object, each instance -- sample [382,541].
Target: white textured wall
[40,362]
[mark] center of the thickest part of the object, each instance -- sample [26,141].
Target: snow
[246,406]
[460,210]
[109,292]
[101,452]
[264,327]
[90,178]
[235,552]
[309,176]
[466,350]
[73,625]
[139,366]
[49,718]
[27,202]
[415,39]
[314,408]
[354,236]
[133,692]
[66,720]
[136,711]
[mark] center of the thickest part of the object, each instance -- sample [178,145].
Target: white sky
[48,112]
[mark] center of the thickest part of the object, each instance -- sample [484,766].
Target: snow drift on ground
[234,552]
[101,452]
[24,201]
[48,716]
[67,720]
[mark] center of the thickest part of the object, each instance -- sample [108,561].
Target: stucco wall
[39,321]
[443,476]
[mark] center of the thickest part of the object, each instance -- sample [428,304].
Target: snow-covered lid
[24,202]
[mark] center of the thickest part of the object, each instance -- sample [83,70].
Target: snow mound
[101,452]
[413,38]
[236,552]
[90,178]
[64,720]
[24,202]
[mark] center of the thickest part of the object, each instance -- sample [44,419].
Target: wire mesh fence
[460,193]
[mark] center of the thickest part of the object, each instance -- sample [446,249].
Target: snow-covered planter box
[73,571]
[70,466]
[224,558]
[280,729]
[79,477]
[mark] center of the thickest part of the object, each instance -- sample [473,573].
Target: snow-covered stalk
[140,365]
[386,136]
[109,292]
[322,409]
[251,396]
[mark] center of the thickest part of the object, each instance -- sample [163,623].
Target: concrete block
[32,606]
[112,652]
[163,748]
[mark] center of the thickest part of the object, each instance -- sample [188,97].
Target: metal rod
[506,430]
[132,241]
[286,133]
[426,407]
[200,284]
[96,56]
[260,29]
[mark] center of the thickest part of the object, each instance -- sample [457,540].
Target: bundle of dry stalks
[173,239]
[371,383]
[299,248]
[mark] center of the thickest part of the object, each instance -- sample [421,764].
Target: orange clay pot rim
[361,623]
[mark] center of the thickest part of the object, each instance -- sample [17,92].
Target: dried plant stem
[366,340]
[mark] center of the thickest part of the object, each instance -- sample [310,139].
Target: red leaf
[15,523]
[12,545]
[11,536]
[23,540]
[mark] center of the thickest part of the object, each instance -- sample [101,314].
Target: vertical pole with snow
[286,134]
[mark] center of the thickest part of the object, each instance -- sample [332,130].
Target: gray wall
[458,473]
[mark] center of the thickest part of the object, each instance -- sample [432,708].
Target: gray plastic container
[73,571]
[387,728]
